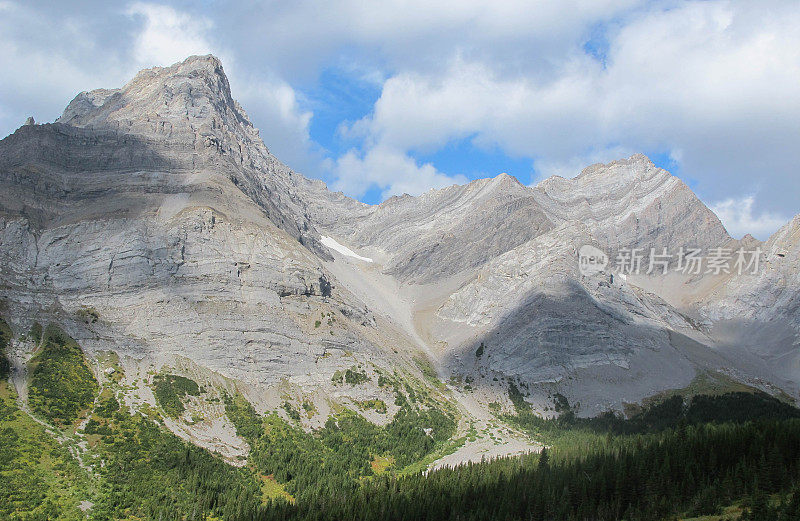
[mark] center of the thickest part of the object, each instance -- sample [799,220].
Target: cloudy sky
[381,98]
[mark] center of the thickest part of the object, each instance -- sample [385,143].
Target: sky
[392,97]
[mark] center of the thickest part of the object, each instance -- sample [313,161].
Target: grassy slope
[39,479]
[149,472]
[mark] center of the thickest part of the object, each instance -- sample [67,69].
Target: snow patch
[331,243]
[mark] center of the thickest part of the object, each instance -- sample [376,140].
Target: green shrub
[107,408]
[36,333]
[249,425]
[5,366]
[170,391]
[5,340]
[338,455]
[427,369]
[293,413]
[39,478]
[375,404]
[355,376]
[309,407]
[62,385]
[152,474]
[88,314]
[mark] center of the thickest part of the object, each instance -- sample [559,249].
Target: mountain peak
[201,62]
[506,179]
[207,66]
[501,182]
[189,101]
[620,174]
[637,164]
[630,200]
[191,91]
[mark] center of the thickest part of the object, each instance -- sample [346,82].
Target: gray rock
[156,211]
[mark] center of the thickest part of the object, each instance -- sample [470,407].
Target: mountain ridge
[157,209]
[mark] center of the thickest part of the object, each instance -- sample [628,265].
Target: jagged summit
[201,76]
[190,100]
[177,121]
[632,203]
[637,163]
[196,64]
[485,186]
[602,177]
[503,181]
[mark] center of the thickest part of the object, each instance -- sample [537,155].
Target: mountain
[633,204]
[759,313]
[151,221]
[444,232]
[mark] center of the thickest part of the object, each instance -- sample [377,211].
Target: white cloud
[168,36]
[395,172]
[42,74]
[417,111]
[417,35]
[667,71]
[739,218]
[715,84]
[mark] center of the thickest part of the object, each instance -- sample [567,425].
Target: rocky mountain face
[759,313]
[631,203]
[445,232]
[152,221]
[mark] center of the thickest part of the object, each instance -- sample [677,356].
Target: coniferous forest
[730,455]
